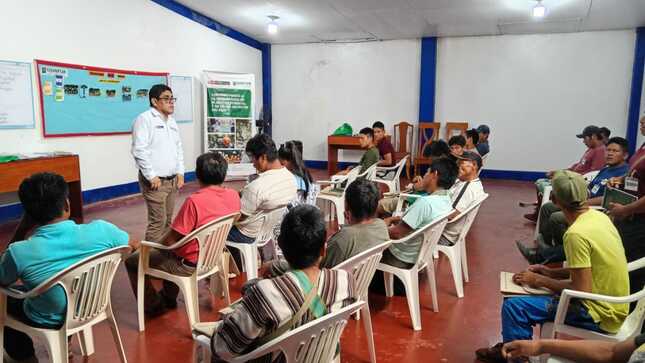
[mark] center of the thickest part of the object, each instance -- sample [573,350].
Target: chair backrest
[456,128]
[403,137]
[362,267]
[369,174]
[87,285]
[428,132]
[400,165]
[313,342]
[469,215]
[269,220]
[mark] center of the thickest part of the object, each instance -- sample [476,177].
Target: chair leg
[86,340]
[464,260]
[411,283]
[340,212]
[369,334]
[57,347]
[188,288]
[143,256]
[389,284]
[432,283]
[250,261]
[455,267]
[115,334]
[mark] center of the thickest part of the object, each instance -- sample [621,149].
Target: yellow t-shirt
[593,241]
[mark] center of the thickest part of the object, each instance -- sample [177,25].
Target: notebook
[508,287]
[613,195]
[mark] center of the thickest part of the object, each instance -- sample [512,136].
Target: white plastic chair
[249,251]
[314,342]
[87,285]
[410,277]
[631,326]
[457,253]
[394,184]
[362,267]
[211,238]
[337,199]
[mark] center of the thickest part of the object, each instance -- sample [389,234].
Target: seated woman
[291,158]
[267,305]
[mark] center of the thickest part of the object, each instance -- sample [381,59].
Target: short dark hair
[156,91]
[447,170]
[262,144]
[605,132]
[378,125]
[210,168]
[457,140]
[362,197]
[620,141]
[367,131]
[473,134]
[43,196]
[437,149]
[302,236]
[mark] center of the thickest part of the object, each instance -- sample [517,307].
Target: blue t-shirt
[300,183]
[483,148]
[51,249]
[597,185]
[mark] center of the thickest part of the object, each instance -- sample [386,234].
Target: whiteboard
[182,89]
[16,96]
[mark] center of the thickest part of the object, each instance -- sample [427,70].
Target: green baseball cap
[569,188]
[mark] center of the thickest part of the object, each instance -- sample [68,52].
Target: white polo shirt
[156,145]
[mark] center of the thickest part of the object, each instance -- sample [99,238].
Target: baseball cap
[469,155]
[569,188]
[589,131]
[484,129]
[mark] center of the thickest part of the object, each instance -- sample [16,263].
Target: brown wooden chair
[403,138]
[456,128]
[428,132]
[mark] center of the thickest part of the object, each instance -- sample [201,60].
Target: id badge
[631,184]
[595,189]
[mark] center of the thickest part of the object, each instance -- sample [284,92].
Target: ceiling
[305,21]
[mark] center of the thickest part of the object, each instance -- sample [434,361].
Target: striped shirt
[269,303]
[270,190]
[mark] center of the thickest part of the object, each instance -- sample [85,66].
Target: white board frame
[24,125]
[171,81]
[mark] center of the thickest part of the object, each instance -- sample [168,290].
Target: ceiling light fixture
[539,10]
[272,27]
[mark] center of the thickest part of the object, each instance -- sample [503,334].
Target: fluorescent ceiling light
[539,10]
[272,27]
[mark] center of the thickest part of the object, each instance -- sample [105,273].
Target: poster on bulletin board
[78,100]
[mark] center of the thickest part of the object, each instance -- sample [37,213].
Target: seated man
[457,144]
[210,202]
[482,146]
[593,159]
[595,263]
[371,154]
[274,187]
[472,138]
[466,191]
[553,224]
[267,304]
[385,148]
[440,177]
[46,243]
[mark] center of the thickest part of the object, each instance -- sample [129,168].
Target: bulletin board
[78,100]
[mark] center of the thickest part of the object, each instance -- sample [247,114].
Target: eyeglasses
[168,99]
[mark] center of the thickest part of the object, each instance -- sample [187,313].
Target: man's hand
[180,181]
[417,179]
[155,183]
[539,269]
[616,181]
[521,348]
[618,211]
[527,278]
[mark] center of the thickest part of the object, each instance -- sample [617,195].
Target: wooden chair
[403,137]
[456,128]
[428,132]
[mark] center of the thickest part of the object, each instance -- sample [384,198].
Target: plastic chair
[314,342]
[336,195]
[87,285]
[631,326]
[394,184]
[363,267]
[457,253]
[211,238]
[410,277]
[249,251]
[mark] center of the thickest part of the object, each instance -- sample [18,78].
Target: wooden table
[335,143]
[13,173]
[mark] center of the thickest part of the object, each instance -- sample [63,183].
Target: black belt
[168,177]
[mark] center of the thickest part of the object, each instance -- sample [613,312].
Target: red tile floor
[451,335]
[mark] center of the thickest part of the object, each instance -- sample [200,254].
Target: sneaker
[530,254]
[492,354]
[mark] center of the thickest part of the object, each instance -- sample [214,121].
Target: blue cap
[484,129]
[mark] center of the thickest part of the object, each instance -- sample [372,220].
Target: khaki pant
[161,204]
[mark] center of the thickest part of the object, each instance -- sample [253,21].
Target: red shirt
[592,160]
[385,147]
[201,207]
[637,169]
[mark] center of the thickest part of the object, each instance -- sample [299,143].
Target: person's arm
[171,237]
[595,201]
[387,160]
[399,230]
[588,351]
[141,139]
[619,211]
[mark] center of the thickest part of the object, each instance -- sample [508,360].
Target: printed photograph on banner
[221,141]
[243,133]
[232,156]
[221,125]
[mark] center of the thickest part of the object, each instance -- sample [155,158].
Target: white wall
[123,34]
[317,87]
[536,91]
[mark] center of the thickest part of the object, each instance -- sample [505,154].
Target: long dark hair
[290,151]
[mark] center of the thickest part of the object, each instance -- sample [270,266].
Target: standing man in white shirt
[159,156]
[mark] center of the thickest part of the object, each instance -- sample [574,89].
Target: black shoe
[154,311]
[530,254]
[168,302]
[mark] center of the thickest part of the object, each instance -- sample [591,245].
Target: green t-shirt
[369,158]
[593,241]
[352,240]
